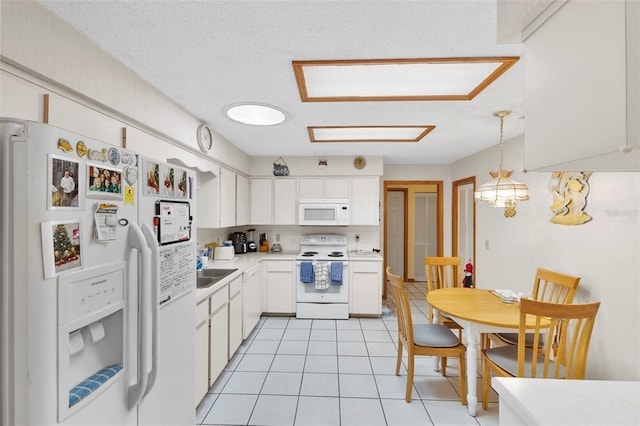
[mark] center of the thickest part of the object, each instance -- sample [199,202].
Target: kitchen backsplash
[289,236]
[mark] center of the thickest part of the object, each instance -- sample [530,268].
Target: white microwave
[323,211]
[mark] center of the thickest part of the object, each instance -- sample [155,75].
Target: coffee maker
[239,240]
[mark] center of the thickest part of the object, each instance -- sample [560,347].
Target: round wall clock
[359,163]
[205,138]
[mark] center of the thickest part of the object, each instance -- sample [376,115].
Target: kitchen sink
[208,277]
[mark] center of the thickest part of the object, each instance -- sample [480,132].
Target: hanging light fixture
[502,191]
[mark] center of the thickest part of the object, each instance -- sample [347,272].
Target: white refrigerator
[97,297]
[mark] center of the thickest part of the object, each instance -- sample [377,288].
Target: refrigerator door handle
[155,304]
[136,240]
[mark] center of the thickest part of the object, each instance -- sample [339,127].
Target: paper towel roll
[96,330]
[76,343]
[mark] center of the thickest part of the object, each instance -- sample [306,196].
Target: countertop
[241,262]
[567,402]
[244,262]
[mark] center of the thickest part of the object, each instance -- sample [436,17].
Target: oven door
[307,292]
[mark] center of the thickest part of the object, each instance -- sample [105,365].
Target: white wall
[603,252]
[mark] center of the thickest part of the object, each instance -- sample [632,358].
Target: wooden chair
[424,339]
[443,272]
[548,286]
[563,357]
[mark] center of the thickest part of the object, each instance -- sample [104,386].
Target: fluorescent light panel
[368,133]
[397,79]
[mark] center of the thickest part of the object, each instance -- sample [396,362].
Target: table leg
[473,337]
[436,359]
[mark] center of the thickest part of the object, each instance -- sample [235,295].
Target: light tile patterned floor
[334,372]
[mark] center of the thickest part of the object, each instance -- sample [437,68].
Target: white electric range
[322,290]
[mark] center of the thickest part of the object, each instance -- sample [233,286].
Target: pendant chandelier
[501,191]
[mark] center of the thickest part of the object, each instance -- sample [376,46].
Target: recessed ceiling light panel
[368,133]
[399,79]
[255,114]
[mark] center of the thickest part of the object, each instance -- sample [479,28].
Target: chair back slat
[554,287]
[403,309]
[442,272]
[569,329]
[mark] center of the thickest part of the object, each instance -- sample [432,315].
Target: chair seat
[434,335]
[506,357]
[512,338]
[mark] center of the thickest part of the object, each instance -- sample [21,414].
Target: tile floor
[334,372]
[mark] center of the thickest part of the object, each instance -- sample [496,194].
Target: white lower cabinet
[218,333]
[252,285]
[281,286]
[365,287]
[235,315]
[202,350]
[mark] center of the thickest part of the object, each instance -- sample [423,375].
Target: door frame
[405,230]
[440,221]
[455,185]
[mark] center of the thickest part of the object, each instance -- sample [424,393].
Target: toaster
[224,253]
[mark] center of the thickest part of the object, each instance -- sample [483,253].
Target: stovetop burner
[318,247]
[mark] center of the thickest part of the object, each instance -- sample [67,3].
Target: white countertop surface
[241,262]
[570,402]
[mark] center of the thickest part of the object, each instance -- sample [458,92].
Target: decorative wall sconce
[322,164]
[569,190]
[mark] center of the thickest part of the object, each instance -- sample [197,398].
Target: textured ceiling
[208,54]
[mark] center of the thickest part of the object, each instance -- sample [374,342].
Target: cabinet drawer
[235,287]
[219,298]
[364,266]
[202,312]
[280,266]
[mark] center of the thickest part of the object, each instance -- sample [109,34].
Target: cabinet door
[261,201]
[218,342]
[202,361]
[285,201]
[243,201]
[281,291]
[310,188]
[207,200]
[365,295]
[202,350]
[336,188]
[365,195]
[235,315]
[252,300]
[227,198]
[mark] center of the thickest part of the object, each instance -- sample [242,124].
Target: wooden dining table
[477,311]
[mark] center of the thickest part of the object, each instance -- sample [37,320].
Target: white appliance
[98,283]
[322,289]
[323,211]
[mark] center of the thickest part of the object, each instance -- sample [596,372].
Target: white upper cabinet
[323,188]
[581,89]
[207,200]
[365,201]
[285,202]
[227,198]
[262,201]
[243,201]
